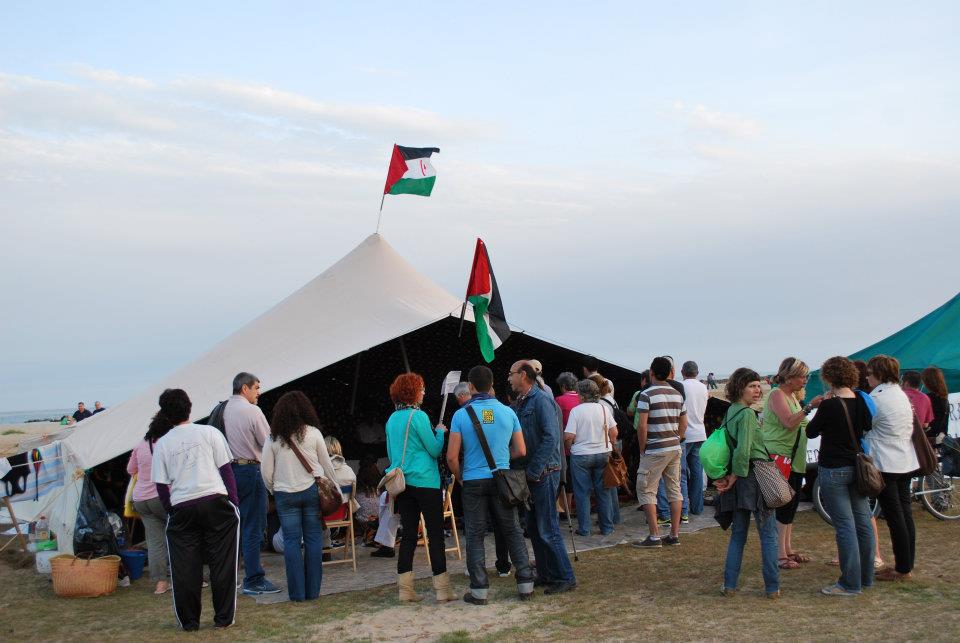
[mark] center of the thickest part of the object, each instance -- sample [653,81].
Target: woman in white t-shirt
[294,425]
[590,433]
[191,468]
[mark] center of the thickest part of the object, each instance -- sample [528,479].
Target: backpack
[716,454]
[216,417]
[624,425]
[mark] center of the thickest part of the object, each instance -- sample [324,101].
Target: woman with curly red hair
[414,445]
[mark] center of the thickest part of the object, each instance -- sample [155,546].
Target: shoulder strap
[300,457]
[846,414]
[481,437]
[606,437]
[406,437]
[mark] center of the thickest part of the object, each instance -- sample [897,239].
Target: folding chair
[447,513]
[346,521]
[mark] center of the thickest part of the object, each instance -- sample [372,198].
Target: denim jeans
[850,513]
[587,473]
[769,543]
[300,519]
[691,483]
[543,527]
[694,472]
[481,503]
[253,519]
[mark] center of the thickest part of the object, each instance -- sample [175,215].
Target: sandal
[834,563]
[787,563]
[798,557]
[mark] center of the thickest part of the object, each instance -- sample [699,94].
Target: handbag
[774,489]
[394,481]
[926,457]
[511,484]
[869,479]
[327,489]
[615,470]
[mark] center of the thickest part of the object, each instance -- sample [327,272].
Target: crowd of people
[203,492]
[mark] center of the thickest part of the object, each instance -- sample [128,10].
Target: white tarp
[370,296]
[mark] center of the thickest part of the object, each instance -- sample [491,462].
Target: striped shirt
[663,406]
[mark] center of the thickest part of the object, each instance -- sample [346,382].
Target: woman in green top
[784,421]
[739,491]
[414,445]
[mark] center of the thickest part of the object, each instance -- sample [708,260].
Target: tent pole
[381,212]
[403,351]
[356,381]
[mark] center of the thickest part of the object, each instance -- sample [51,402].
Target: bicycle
[939,494]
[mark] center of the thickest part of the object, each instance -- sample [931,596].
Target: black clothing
[81,415]
[100,410]
[410,504]
[786,513]
[679,388]
[941,416]
[836,449]
[895,502]
[206,533]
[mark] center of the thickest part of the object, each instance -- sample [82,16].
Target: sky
[731,183]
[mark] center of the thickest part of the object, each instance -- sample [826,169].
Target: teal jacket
[423,448]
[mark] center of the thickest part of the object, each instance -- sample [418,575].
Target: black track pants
[206,533]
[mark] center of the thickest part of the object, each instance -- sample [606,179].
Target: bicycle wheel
[818,502]
[940,495]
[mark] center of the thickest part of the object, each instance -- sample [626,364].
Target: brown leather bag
[925,454]
[615,470]
[327,489]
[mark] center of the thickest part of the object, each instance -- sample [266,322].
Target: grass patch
[623,593]
[13,432]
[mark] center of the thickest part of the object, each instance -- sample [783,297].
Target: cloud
[108,76]
[733,125]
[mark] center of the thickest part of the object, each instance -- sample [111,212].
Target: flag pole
[381,212]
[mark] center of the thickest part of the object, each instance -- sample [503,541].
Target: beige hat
[537,366]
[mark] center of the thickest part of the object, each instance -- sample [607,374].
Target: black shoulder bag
[511,483]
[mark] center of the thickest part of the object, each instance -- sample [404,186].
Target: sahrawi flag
[410,171]
[482,292]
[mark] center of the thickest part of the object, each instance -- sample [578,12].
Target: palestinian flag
[482,292]
[410,171]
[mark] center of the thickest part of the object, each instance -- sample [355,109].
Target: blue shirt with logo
[499,423]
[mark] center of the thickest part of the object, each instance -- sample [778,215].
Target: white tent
[371,296]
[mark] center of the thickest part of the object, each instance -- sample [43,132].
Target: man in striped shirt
[662,421]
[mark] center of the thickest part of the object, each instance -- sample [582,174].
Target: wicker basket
[79,577]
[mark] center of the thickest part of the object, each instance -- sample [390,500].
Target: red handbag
[785,463]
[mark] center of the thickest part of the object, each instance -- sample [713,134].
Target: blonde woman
[343,472]
[784,421]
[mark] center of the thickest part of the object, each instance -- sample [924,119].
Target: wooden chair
[349,543]
[447,513]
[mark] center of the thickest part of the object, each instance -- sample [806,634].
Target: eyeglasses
[513,373]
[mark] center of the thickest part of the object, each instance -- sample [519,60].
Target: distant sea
[19,417]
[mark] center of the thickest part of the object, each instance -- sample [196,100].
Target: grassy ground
[624,594]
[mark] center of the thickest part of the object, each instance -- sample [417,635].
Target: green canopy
[933,340]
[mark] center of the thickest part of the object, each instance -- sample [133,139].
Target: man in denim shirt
[540,421]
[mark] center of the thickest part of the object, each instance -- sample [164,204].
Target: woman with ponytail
[191,469]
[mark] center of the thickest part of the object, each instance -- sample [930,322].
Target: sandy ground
[31,434]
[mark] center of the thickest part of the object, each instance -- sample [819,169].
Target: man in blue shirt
[481,503]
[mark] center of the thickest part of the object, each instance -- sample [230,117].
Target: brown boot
[405,584]
[441,583]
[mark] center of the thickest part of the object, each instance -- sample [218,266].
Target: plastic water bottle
[43,529]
